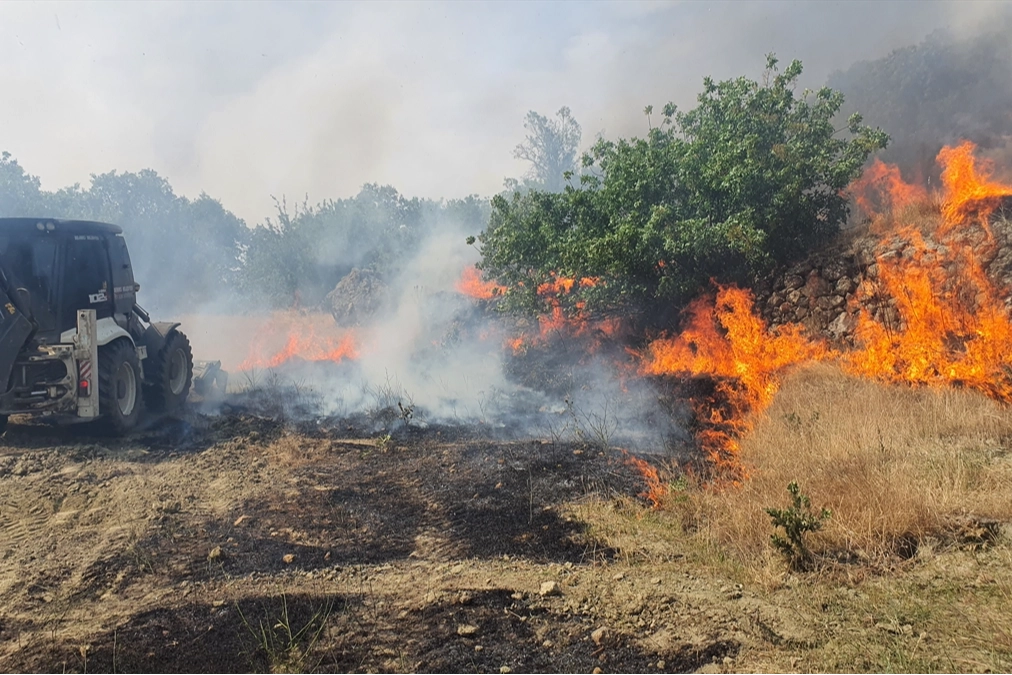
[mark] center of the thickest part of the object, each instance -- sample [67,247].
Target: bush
[797,520]
[752,177]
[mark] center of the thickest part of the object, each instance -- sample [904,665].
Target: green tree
[20,193]
[754,176]
[551,147]
[306,252]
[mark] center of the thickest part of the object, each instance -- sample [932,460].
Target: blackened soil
[237,543]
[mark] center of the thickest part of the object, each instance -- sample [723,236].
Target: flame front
[725,341]
[947,323]
[295,335]
[472,285]
[951,325]
[969,188]
[881,191]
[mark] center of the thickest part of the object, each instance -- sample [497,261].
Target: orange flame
[881,189]
[950,325]
[656,490]
[472,285]
[295,335]
[969,188]
[726,341]
[943,323]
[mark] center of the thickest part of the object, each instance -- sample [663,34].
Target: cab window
[30,262]
[86,281]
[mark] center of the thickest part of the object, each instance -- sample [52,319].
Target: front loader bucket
[209,380]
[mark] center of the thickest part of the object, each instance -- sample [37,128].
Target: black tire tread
[109,358]
[156,375]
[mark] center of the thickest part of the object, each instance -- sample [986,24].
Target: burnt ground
[238,543]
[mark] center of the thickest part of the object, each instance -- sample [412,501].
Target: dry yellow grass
[891,463]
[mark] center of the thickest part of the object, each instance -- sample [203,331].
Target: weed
[288,646]
[797,520]
[384,442]
[596,428]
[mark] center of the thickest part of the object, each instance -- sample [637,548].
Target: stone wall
[827,291]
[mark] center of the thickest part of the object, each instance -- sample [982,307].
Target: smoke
[952,86]
[429,354]
[296,99]
[320,98]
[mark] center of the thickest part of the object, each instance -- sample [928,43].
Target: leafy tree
[301,256]
[753,176]
[551,147]
[20,193]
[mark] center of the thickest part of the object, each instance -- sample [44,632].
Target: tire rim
[126,389]
[177,372]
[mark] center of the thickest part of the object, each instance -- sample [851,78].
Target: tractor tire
[169,374]
[119,387]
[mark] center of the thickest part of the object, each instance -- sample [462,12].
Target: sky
[249,100]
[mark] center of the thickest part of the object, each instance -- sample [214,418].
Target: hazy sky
[250,99]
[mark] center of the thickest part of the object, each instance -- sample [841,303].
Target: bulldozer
[74,343]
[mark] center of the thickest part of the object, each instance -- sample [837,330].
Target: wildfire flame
[471,284]
[950,324]
[953,325]
[293,334]
[969,188]
[881,189]
[725,341]
[656,488]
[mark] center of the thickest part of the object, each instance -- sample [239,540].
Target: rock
[816,286]
[619,577]
[356,297]
[793,281]
[289,558]
[843,286]
[239,521]
[829,302]
[215,554]
[800,269]
[833,271]
[550,588]
[599,635]
[864,256]
[505,670]
[467,629]
[794,297]
[840,326]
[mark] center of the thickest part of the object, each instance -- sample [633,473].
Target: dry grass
[891,463]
